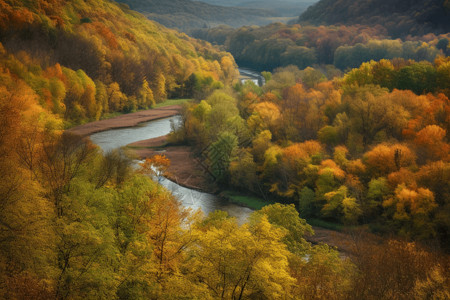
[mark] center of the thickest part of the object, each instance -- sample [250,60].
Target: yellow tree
[26,234]
[411,210]
[241,262]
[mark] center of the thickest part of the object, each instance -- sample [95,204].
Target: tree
[377,192]
[411,210]
[220,155]
[145,99]
[431,142]
[384,159]
[27,252]
[156,165]
[324,275]
[62,161]
[287,217]
[243,171]
[239,262]
[160,88]
[340,205]
[389,268]
[266,115]
[374,114]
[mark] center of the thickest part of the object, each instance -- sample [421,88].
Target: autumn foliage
[367,151]
[348,151]
[84,66]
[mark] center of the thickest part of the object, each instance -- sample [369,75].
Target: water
[116,138]
[254,76]
[205,202]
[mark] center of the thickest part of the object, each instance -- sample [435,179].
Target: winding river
[116,138]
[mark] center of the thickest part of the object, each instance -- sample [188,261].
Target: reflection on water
[116,138]
[206,202]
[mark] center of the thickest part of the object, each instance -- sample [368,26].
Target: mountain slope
[186,14]
[108,58]
[286,8]
[400,17]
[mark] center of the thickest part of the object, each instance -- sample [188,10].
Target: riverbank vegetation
[362,149]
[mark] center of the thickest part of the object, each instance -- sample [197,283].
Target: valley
[138,161]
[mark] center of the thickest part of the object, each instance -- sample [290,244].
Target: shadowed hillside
[415,17]
[186,14]
[287,8]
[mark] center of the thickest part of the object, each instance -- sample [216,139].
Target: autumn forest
[349,133]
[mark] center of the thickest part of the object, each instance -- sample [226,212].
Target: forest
[353,150]
[402,18]
[357,136]
[340,46]
[187,14]
[83,66]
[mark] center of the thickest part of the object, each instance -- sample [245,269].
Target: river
[116,138]
[251,75]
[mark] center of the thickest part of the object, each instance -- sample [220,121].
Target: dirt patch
[184,169]
[342,241]
[127,120]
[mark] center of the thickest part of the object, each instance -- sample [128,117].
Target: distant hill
[287,8]
[400,17]
[187,14]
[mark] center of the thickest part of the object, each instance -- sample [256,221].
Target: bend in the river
[116,138]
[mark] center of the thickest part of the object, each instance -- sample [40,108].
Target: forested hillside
[275,45]
[187,14]
[368,148]
[287,8]
[400,18]
[85,59]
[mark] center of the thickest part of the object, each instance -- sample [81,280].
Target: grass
[172,102]
[252,202]
[257,203]
[111,115]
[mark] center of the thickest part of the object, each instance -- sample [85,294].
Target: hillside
[187,14]
[85,59]
[286,8]
[268,47]
[400,18]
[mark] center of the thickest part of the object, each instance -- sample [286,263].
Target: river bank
[184,169]
[127,120]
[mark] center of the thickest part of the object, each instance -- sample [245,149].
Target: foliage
[76,224]
[185,15]
[344,46]
[84,70]
[412,17]
[348,151]
[156,165]
[246,200]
